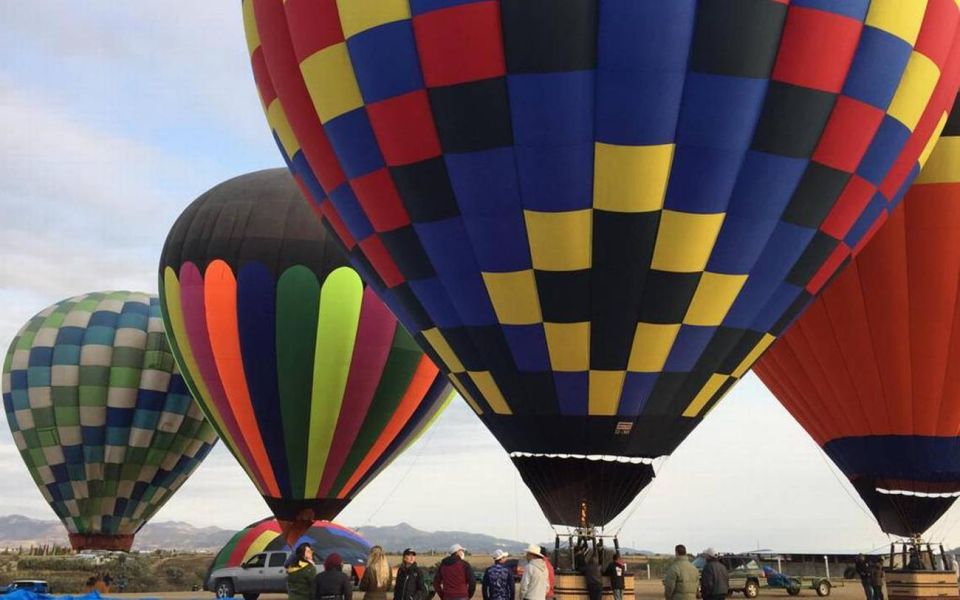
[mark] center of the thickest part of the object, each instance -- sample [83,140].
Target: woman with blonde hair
[378,576]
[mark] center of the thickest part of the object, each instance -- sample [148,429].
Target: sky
[115,115]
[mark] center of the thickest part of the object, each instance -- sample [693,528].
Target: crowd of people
[453,579]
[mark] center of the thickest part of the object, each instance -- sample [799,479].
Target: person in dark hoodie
[333,583]
[301,573]
[714,580]
[454,579]
[591,572]
[409,582]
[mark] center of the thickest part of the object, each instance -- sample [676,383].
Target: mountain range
[18,530]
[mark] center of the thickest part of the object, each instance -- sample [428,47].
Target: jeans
[867,588]
[617,594]
[877,592]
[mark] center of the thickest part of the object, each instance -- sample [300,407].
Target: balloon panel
[100,414]
[265,535]
[868,369]
[310,380]
[597,215]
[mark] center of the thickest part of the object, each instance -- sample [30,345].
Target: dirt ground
[646,590]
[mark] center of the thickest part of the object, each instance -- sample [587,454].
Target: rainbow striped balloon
[326,538]
[305,373]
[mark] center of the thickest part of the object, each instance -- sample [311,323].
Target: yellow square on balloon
[331,82]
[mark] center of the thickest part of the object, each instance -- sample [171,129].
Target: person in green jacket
[301,574]
[681,579]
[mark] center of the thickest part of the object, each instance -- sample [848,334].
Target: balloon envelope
[266,535]
[596,215]
[101,415]
[870,369]
[311,382]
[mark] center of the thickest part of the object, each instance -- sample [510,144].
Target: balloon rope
[948,529]
[845,486]
[641,497]
[416,458]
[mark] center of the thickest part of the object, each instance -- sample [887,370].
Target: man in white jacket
[533,584]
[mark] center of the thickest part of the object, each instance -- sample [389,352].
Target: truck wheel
[250,596]
[793,590]
[751,589]
[823,588]
[224,588]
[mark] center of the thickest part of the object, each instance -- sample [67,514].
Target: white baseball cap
[457,548]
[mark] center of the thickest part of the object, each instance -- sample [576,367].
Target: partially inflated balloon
[265,535]
[308,377]
[101,416]
[596,215]
[871,369]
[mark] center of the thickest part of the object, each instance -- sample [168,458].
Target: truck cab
[262,573]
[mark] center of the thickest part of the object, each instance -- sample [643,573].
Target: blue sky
[115,115]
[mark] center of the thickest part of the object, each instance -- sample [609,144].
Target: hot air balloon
[869,370]
[266,536]
[597,215]
[101,416]
[308,378]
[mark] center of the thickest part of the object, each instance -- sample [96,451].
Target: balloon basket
[919,570]
[573,586]
[101,541]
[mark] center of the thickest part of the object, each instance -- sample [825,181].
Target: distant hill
[395,538]
[17,530]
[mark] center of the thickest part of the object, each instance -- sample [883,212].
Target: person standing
[301,574]
[533,584]
[876,578]
[498,583]
[333,583]
[378,577]
[591,573]
[455,579]
[863,571]
[681,578]
[409,584]
[714,580]
[617,572]
[551,574]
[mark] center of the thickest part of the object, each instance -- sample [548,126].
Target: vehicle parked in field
[793,585]
[747,576]
[36,586]
[745,572]
[262,573]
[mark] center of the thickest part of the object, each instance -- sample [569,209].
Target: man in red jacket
[455,579]
[550,571]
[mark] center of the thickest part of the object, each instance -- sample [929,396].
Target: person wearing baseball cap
[409,584]
[454,579]
[498,581]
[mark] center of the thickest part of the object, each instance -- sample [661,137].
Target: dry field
[646,590]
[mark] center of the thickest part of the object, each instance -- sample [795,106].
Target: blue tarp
[26,595]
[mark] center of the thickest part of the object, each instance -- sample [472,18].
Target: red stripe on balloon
[195,323]
[371,349]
